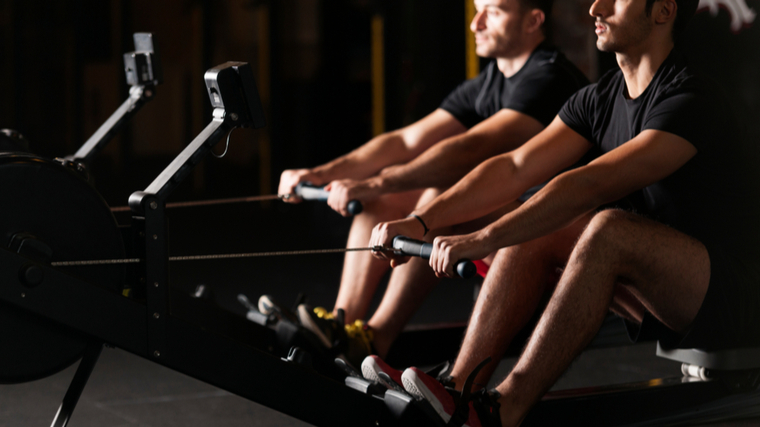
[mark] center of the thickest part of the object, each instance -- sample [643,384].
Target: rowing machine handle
[307,191]
[464,267]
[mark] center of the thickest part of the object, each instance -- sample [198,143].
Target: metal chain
[212,202]
[220,256]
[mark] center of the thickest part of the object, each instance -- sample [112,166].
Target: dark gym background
[331,73]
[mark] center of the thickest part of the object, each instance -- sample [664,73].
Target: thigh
[666,270]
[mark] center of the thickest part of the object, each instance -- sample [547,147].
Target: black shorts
[730,313]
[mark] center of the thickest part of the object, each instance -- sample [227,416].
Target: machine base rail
[257,375]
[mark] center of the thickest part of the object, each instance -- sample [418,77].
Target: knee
[606,230]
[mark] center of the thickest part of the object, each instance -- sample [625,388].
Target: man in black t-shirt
[678,258]
[513,99]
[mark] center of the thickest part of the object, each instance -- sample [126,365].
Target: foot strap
[462,399]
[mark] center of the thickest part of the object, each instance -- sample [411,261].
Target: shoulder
[548,62]
[603,91]
[677,77]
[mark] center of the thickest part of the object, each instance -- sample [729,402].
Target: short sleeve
[461,101]
[543,94]
[686,114]
[577,113]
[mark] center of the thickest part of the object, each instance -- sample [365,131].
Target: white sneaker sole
[414,385]
[370,371]
[266,306]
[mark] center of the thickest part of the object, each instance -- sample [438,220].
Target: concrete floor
[128,391]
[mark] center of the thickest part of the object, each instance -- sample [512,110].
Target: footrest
[410,411]
[724,360]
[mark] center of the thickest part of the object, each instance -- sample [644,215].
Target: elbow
[587,191]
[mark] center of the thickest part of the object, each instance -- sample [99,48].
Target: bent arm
[504,178]
[644,160]
[445,163]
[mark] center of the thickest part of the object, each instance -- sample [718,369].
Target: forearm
[443,164]
[489,186]
[440,166]
[563,201]
[365,161]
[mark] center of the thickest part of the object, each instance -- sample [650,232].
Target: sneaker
[268,306]
[321,323]
[372,366]
[423,386]
[358,342]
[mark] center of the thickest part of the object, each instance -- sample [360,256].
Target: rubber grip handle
[307,191]
[464,267]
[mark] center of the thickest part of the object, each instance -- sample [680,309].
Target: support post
[91,355]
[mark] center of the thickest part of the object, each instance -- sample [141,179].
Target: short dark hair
[686,9]
[545,6]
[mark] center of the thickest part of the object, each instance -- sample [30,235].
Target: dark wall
[62,77]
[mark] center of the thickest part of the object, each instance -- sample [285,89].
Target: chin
[484,52]
[604,46]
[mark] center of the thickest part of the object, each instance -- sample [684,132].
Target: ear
[665,11]
[533,20]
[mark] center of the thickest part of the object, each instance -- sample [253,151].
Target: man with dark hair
[660,229]
[513,99]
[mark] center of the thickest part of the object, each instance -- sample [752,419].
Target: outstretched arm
[444,163]
[398,146]
[644,160]
[494,183]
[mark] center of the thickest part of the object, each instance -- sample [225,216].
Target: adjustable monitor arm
[233,95]
[144,72]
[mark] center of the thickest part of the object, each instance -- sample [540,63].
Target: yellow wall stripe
[471,58]
[378,76]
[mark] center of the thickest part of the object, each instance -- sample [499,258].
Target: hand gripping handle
[464,267]
[307,191]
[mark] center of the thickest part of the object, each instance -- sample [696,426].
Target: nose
[598,9]
[478,22]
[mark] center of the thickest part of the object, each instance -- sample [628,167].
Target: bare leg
[361,271]
[409,285]
[413,281]
[511,293]
[667,271]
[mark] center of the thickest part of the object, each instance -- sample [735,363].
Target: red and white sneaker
[372,366]
[422,385]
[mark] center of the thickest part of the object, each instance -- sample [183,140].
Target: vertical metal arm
[143,70]
[138,96]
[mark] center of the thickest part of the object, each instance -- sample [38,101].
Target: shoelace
[361,331]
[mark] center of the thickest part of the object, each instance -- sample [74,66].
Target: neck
[640,64]
[510,65]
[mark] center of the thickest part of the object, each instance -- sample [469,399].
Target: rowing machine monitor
[143,66]
[464,267]
[231,87]
[307,191]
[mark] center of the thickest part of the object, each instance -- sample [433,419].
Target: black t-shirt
[539,89]
[713,196]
